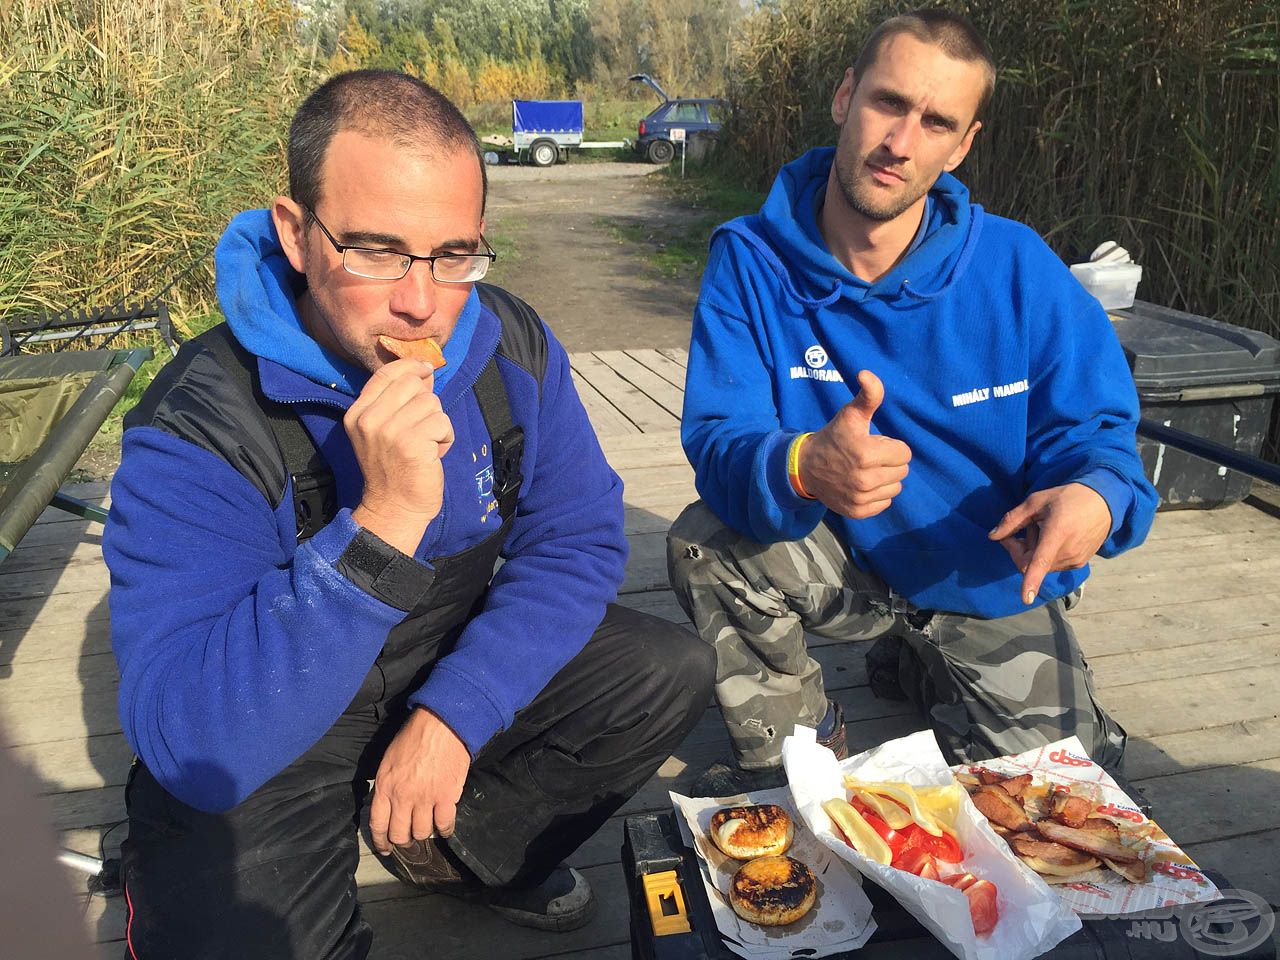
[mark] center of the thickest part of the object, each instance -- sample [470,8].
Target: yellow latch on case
[667,912]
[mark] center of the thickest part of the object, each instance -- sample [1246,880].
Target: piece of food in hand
[857,832]
[753,830]
[1070,809]
[426,350]
[1093,842]
[997,806]
[772,891]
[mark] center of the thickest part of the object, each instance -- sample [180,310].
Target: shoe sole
[562,923]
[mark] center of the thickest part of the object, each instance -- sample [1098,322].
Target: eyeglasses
[392,265]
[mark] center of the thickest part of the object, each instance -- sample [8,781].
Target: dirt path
[595,290]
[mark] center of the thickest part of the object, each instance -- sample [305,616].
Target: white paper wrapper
[1173,877]
[840,919]
[1032,918]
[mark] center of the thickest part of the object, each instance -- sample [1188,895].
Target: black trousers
[275,876]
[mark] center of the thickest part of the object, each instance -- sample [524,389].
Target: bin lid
[1168,350]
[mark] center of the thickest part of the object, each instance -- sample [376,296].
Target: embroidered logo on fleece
[979,394]
[484,483]
[815,367]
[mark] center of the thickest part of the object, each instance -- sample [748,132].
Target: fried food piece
[754,830]
[989,777]
[1099,825]
[1093,842]
[1135,872]
[1049,852]
[425,349]
[1059,873]
[998,807]
[1015,785]
[772,891]
[1070,809]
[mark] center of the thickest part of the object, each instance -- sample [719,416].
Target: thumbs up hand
[851,470]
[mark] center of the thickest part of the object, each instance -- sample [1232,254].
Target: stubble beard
[858,194]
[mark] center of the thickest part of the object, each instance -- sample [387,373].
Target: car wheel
[661,151]
[544,153]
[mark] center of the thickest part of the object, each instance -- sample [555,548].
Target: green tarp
[51,405]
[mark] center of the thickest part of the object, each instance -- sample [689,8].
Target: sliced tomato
[961,881]
[916,861]
[982,906]
[930,870]
[894,838]
[945,847]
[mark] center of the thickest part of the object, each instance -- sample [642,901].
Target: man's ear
[844,95]
[291,225]
[962,148]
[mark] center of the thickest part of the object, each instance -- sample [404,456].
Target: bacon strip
[998,807]
[1048,851]
[1071,810]
[1093,842]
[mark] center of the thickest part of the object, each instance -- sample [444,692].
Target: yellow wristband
[793,466]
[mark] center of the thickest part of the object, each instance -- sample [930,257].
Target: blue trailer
[544,131]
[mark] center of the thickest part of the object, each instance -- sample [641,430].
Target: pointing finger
[1041,563]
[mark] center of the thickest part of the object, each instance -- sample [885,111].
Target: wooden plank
[1193,659]
[37,614]
[1214,804]
[40,584]
[51,556]
[663,366]
[1195,703]
[1171,556]
[1220,746]
[37,680]
[1144,591]
[632,403]
[605,418]
[1173,624]
[676,355]
[1247,861]
[660,391]
[90,633]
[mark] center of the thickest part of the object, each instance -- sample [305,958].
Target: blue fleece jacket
[1001,374]
[239,648]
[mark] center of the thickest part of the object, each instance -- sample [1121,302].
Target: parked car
[699,117]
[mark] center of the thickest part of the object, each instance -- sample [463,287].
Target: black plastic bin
[1207,378]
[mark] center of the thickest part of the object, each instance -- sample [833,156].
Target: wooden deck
[1183,636]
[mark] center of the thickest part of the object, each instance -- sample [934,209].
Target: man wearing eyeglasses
[303,541]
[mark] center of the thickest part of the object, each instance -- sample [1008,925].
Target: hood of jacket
[785,234]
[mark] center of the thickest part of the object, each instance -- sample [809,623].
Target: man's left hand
[419,782]
[1064,527]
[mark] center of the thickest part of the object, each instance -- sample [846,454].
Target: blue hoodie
[1001,374]
[238,647]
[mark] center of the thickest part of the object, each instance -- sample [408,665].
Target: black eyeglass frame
[490,254]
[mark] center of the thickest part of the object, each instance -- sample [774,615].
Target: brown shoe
[431,865]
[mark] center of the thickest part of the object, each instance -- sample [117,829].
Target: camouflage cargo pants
[985,687]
